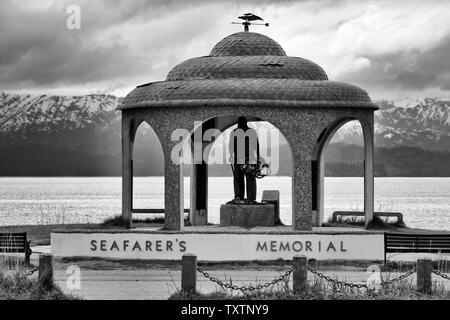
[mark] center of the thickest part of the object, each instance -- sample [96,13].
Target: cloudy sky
[393,49]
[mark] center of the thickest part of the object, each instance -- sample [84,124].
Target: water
[425,202]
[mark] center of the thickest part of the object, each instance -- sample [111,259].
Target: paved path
[160,284]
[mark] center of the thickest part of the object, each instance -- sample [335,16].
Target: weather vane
[248,18]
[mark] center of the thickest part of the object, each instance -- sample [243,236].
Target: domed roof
[278,67]
[247,44]
[247,69]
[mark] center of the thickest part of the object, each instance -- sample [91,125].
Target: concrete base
[247,215]
[273,197]
[215,243]
[199,218]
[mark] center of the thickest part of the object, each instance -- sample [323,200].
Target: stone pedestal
[199,218]
[273,197]
[247,215]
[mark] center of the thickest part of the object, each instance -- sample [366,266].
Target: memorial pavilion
[248,74]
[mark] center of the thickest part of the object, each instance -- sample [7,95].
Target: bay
[425,202]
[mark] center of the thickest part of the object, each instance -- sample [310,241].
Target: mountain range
[80,136]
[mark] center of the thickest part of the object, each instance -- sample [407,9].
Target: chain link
[248,288]
[399,278]
[338,283]
[334,281]
[29,273]
[360,285]
[441,274]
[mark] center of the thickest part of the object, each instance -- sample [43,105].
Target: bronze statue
[245,160]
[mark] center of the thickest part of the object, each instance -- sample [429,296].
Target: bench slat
[405,250]
[9,250]
[439,242]
[417,243]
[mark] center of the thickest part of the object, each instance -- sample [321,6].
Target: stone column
[173,195]
[368,131]
[199,176]
[301,194]
[321,190]
[127,171]
[172,134]
[302,139]
[199,194]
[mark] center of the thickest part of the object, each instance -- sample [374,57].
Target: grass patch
[15,284]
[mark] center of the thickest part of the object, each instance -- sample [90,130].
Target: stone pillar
[199,176]
[127,171]
[301,194]
[199,195]
[45,277]
[189,273]
[424,280]
[368,131]
[320,190]
[300,274]
[173,195]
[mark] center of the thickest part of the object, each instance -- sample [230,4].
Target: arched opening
[148,175]
[343,173]
[215,177]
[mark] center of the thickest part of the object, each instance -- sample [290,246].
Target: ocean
[424,202]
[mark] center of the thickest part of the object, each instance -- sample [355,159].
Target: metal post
[45,271]
[300,274]
[424,270]
[189,273]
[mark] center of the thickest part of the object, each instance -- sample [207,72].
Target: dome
[247,44]
[276,67]
[247,69]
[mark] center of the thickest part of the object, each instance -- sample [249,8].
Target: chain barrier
[248,288]
[334,281]
[399,278]
[361,285]
[338,283]
[441,274]
[29,273]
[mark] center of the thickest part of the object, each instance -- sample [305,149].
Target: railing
[415,243]
[153,211]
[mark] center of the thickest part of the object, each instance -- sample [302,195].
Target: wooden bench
[397,215]
[15,243]
[416,243]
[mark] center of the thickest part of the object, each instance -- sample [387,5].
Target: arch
[199,176]
[130,127]
[318,167]
[148,160]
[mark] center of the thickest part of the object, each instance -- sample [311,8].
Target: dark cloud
[411,70]
[37,49]
[125,43]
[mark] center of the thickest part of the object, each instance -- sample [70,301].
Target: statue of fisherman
[244,158]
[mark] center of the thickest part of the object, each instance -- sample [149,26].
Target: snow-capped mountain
[57,135]
[80,135]
[425,124]
[18,112]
